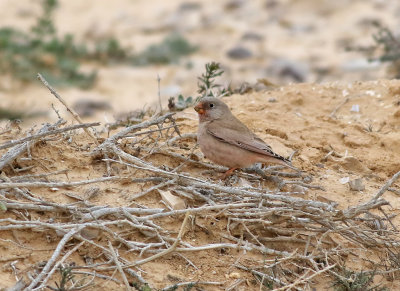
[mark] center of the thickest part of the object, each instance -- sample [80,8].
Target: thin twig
[46,133]
[117,263]
[167,251]
[70,110]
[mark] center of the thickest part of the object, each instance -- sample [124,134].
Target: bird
[226,141]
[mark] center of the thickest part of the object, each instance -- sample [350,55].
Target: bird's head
[210,108]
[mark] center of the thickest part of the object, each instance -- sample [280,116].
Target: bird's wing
[242,137]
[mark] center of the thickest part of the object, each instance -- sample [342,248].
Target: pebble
[357,185]
[239,53]
[288,70]
[88,107]
[355,108]
[252,36]
[344,180]
[185,6]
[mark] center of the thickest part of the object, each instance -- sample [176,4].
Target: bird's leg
[228,173]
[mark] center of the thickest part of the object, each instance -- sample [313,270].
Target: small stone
[185,6]
[252,36]
[239,53]
[234,275]
[272,100]
[344,180]
[397,114]
[357,185]
[234,4]
[355,108]
[90,233]
[352,164]
[288,70]
[88,107]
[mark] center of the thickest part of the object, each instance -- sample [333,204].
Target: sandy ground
[332,142]
[342,130]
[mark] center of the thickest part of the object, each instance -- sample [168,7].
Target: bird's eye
[211,105]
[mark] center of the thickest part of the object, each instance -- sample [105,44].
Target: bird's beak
[199,108]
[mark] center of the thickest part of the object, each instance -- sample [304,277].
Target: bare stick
[333,113]
[159,92]
[56,184]
[70,110]
[161,185]
[386,186]
[69,253]
[135,127]
[46,133]
[12,154]
[53,258]
[194,283]
[167,251]
[117,263]
[304,279]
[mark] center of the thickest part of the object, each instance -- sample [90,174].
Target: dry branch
[44,133]
[254,216]
[70,110]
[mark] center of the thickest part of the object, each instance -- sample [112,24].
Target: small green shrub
[348,280]
[170,50]
[206,87]
[386,49]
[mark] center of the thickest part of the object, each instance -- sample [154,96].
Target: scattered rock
[288,70]
[344,180]
[239,53]
[244,88]
[234,4]
[185,6]
[357,185]
[355,108]
[234,275]
[90,233]
[131,116]
[88,107]
[354,165]
[252,36]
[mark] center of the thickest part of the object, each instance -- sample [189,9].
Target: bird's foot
[228,173]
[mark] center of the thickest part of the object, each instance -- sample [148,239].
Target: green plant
[57,58]
[386,48]
[390,44]
[25,54]
[170,50]
[66,276]
[348,280]
[207,81]
[44,26]
[206,86]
